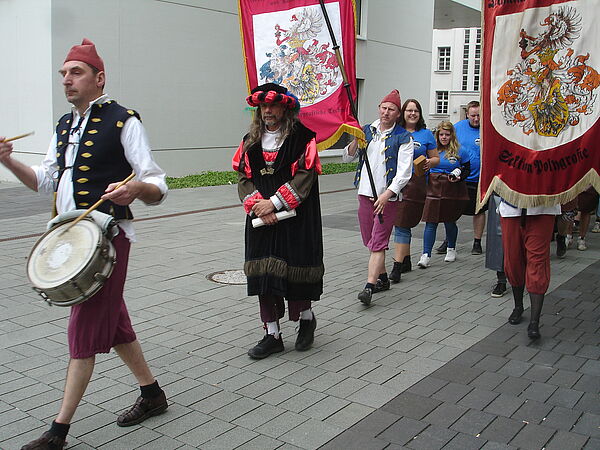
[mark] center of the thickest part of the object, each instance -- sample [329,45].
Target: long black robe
[285,259]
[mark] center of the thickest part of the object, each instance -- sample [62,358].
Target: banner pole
[338,55]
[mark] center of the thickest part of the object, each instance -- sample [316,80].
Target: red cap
[393,97]
[86,52]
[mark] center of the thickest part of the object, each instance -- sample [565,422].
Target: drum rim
[37,280]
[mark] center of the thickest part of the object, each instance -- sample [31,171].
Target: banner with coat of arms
[287,42]
[540,106]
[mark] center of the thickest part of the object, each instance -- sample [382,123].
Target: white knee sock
[273,328]
[306,315]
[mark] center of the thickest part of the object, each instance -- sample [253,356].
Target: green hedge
[230,177]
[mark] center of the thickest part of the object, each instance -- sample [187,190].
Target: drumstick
[98,203]
[14,138]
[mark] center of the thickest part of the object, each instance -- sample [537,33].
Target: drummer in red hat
[95,146]
[389,153]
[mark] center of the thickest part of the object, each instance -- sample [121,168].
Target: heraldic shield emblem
[545,85]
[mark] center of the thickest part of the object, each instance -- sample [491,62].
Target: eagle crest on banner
[552,87]
[299,61]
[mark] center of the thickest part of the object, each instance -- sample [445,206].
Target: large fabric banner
[540,108]
[287,42]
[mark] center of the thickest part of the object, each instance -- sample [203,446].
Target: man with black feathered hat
[278,167]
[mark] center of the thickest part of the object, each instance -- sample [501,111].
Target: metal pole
[338,55]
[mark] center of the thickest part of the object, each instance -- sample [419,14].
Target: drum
[68,267]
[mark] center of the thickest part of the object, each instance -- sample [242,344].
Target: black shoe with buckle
[515,316]
[267,346]
[365,296]
[441,250]
[499,290]
[381,286]
[306,334]
[396,273]
[476,250]
[46,441]
[142,409]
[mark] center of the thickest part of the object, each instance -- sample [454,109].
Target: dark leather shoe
[267,346]
[381,286]
[396,273]
[515,316]
[142,409]
[476,250]
[441,250]
[46,441]
[533,330]
[306,334]
[365,296]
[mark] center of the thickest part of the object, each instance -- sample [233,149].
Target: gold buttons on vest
[130,112]
[59,143]
[96,119]
[63,132]
[119,124]
[82,180]
[84,204]
[88,143]
[83,193]
[84,168]
[92,131]
[86,155]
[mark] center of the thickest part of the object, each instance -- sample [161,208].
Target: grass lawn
[230,177]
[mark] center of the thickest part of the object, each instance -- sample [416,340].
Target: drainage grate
[228,277]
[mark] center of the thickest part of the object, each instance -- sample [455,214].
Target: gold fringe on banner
[528,201]
[344,128]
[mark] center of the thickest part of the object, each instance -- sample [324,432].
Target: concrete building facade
[456,73]
[180,65]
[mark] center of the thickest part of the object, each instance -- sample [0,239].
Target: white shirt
[376,155]
[137,152]
[506,210]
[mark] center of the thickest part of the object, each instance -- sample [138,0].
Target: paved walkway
[431,364]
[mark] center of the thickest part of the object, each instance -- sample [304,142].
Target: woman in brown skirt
[410,208]
[446,192]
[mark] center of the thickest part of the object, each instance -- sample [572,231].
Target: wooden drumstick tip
[20,136]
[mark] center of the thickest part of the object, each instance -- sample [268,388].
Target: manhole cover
[228,277]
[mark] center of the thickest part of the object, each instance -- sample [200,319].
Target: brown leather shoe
[142,409]
[46,442]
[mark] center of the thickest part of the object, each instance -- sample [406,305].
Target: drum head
[60,255]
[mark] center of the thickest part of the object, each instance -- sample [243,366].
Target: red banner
[287,42]
[540,104]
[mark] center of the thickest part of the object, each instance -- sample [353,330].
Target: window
[444,58]
[465,69]
[359,13]
[441,102]
[477,62]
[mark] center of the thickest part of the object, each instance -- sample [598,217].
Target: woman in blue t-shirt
[410,208]
[446,192]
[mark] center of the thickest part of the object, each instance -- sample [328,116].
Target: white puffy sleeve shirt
[376,155]
[134,139]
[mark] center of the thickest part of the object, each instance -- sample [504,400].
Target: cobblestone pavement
[431,363]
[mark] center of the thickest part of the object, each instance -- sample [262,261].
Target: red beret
[393,97]
[86,52]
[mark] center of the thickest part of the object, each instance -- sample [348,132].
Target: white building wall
[179,64]
[26,75]
[452,81]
